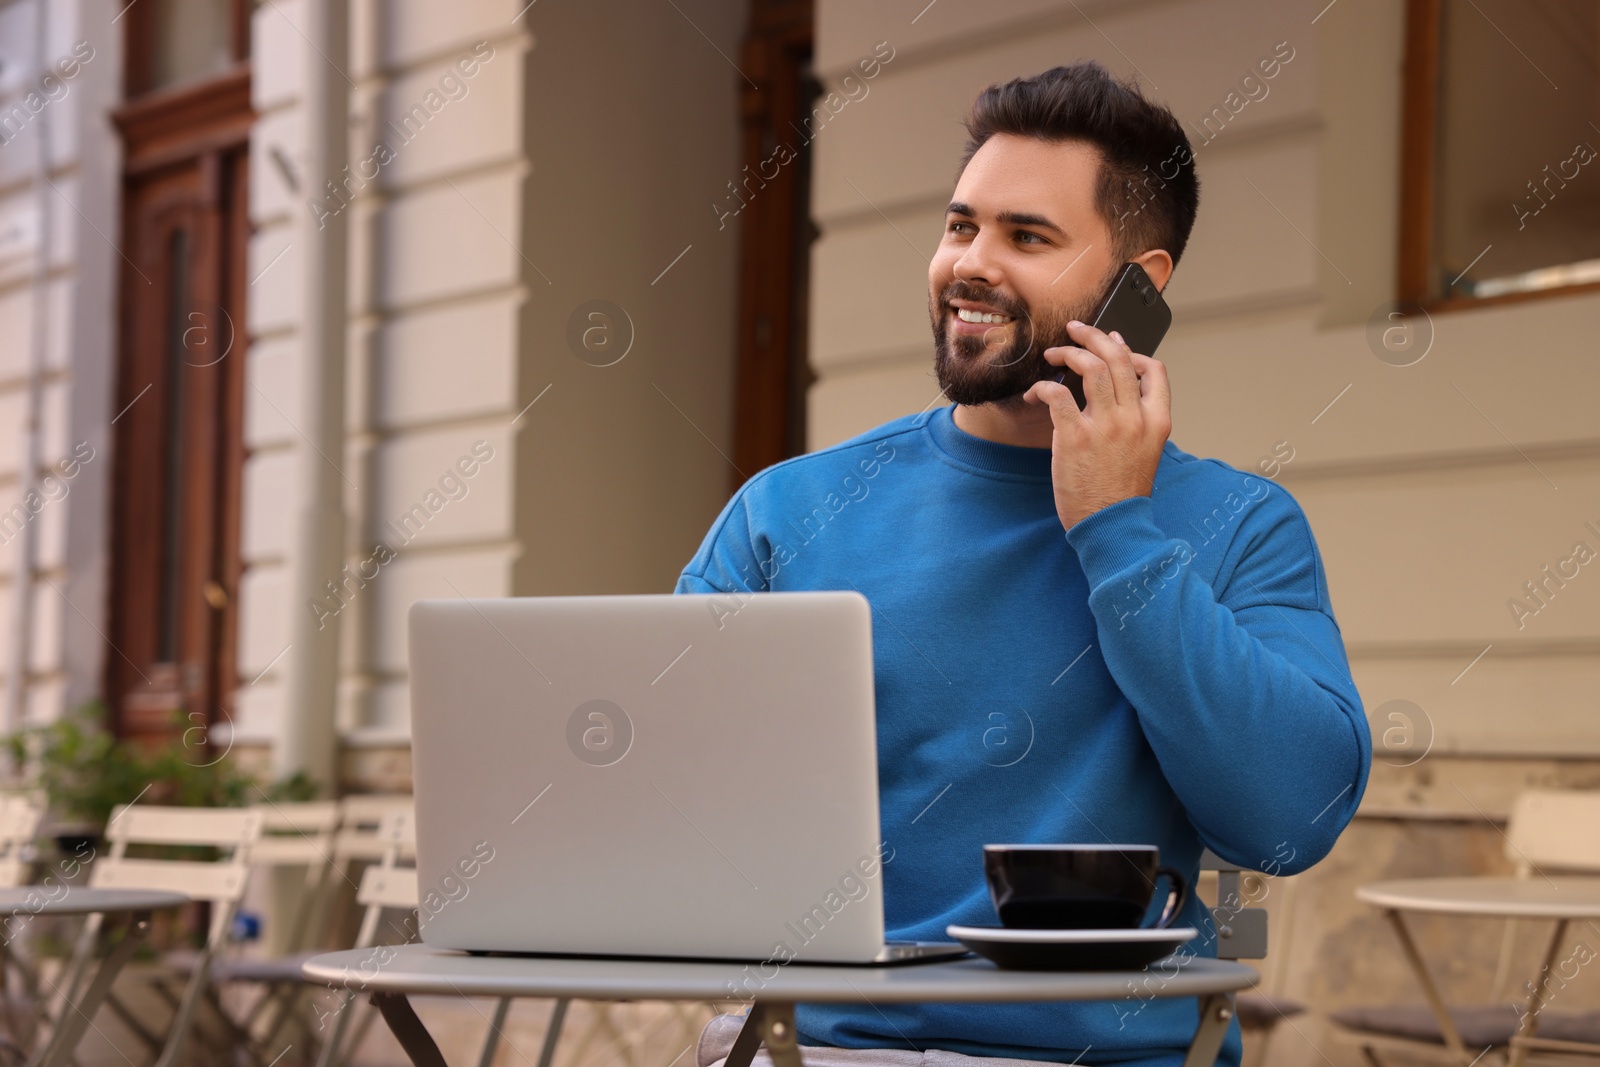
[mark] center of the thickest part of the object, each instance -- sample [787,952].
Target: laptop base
[892,954]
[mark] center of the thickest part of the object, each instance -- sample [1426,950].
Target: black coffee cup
[1078,887]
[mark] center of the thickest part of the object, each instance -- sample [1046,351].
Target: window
[1500,194]
[173,43]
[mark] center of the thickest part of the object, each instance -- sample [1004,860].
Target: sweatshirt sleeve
[1244,691]
[727,559]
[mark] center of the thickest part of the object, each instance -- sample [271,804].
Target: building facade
[533,218]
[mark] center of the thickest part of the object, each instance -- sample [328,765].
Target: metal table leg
[769,1023]
[552,1032]
[1530,1018]
[1216,1012]
[76,1017]
[1447,1023]
[408,1029]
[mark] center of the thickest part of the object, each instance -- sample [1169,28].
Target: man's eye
[955,227]
[1036,237]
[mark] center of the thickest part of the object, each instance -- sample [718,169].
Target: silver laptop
[662,775]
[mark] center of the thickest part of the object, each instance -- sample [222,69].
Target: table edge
[73,903]
[1386,894]
[1217,976]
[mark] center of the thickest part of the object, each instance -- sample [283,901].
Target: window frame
[1419,172]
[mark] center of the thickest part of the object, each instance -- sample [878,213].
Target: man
[1082,633]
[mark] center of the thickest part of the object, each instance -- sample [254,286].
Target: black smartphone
[1134,308]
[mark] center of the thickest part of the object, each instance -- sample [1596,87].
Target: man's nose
[978,263]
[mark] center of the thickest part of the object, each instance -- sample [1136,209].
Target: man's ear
[1158,265]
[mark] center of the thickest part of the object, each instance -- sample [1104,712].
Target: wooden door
[179,446]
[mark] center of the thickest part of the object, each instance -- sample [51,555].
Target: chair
[20,817]
[220,882]
[357,844]
[294,835]
[1547,831]
[1242,935]
[384,886]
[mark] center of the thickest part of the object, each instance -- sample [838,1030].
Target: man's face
[1022,239]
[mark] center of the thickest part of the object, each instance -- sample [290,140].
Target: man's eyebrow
[1015,218]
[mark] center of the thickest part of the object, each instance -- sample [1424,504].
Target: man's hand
[1110,449]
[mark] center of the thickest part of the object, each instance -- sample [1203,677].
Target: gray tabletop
[1535,897]
[420,969]
[62,899]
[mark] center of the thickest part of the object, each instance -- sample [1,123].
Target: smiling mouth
[993,318]
[989,327]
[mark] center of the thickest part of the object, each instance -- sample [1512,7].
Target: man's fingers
[1098,388]
[1153,385]
[1117,357]
[1054,393]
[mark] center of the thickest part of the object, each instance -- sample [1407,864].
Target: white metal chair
[20,817]
[295,836]
[1547,832]
[390,886]
[1241,931]
[385,885]
[219,882]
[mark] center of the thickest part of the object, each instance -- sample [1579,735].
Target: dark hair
[1148,191]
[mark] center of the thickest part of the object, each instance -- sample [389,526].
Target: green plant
[80,767]
[86,772]
[295,788]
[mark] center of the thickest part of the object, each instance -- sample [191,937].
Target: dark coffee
[1078,887]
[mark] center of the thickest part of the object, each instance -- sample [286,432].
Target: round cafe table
[133,905]
[391,973]
[1563,899]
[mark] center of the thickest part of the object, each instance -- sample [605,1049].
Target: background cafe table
[76,1012]
[416,968]
[1563,898]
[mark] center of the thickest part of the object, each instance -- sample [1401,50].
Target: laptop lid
[666,775]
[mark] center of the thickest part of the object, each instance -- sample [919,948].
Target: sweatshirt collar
[984,456]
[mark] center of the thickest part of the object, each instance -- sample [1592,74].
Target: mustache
[977,295]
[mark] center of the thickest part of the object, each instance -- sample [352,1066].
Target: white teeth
[979,316]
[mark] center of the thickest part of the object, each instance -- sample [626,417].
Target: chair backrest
[221,881]
[20,816]
[1555,830]
[361,840]
[1241,930]
[360,818]
[296,834]
[386,884]
[301,834]
[1548,830]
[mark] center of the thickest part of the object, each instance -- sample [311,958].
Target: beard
[967,377]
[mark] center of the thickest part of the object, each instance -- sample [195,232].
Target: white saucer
[1072,950]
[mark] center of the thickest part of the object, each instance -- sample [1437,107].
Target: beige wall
[434,287]
[576,167]
[1434,490]
[59,214]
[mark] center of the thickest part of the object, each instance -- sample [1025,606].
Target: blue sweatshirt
[1168,671]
